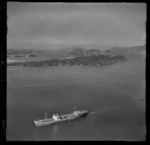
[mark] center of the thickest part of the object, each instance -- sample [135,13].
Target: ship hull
[52,122]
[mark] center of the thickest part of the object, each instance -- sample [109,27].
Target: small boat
[60,118]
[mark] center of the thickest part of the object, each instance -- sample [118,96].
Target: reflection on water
[118,91]
[55,131]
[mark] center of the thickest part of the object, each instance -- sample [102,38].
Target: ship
[60,118]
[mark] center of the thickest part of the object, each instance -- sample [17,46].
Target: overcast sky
[114,24]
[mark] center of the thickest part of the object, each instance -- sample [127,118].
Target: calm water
[118,90]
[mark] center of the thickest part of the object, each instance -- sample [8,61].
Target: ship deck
[62,117]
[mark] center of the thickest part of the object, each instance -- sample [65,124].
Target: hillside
[129,50]
[77,51]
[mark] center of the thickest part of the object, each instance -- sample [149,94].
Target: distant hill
[129,50]
[73,50]
[77,51]
[92,52]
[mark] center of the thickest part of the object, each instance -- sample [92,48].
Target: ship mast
[45,115]
[74,109]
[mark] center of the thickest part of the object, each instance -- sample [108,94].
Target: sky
[52,25]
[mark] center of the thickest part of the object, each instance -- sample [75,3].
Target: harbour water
[116,93]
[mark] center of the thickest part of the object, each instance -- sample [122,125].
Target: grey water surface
[117,90]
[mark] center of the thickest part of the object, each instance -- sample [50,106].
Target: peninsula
[77,56]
